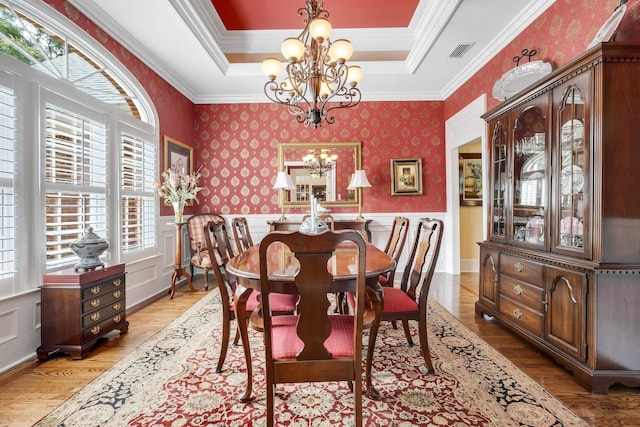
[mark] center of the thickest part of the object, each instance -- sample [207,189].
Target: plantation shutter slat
[7,190]
[138,209]
[76,177]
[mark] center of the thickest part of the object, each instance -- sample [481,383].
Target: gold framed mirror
[328,185]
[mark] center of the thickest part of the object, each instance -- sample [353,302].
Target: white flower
[178,187]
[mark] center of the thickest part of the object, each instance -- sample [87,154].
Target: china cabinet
[561,265]
[79,308]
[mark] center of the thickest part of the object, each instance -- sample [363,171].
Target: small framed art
[406,177]
[178,156]
[470,179]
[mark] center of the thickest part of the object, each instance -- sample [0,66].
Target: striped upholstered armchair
[197,243]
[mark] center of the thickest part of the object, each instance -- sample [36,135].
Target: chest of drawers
[80,307]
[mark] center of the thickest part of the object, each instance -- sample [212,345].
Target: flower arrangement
[177,189]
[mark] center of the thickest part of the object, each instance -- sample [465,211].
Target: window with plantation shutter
[7,190]
[138,202]
[75,181]
[78,148]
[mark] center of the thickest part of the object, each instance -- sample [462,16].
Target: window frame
[32,89]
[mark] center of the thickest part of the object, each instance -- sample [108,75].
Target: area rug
[171,381]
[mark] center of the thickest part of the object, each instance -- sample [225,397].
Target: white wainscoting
[150,277]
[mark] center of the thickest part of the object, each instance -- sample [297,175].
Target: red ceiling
[282,14]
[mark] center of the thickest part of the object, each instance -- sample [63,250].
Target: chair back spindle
[241,234]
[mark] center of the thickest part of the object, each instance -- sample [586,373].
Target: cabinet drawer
[522,269]
[107,311]
[99,301]
[101,328]
[522,293]
[103,287]
[520,315]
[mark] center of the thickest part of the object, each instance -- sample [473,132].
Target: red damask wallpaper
[237,146]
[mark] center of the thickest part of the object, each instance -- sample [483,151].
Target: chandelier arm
[351,97]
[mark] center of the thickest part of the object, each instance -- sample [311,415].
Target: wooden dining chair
[199,255]
[241,234]
[313,345]
[394,247]
[408,301]
[219,247]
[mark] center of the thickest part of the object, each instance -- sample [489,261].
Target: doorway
[463,128]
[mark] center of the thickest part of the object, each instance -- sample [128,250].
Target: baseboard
[469,265]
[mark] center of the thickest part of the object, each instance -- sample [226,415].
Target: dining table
[283,266]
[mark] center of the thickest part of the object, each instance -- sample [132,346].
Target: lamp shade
[354,74]
[283,182]
[292,49]
[271,67]
[320,29]
[341,50]
[359,180]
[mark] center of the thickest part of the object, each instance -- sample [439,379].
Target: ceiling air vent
[461,50]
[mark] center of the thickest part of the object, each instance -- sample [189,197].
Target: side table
[178,270]
[80,307]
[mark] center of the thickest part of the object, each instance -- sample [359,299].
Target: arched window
[76,130]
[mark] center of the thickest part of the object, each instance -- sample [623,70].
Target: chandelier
[319,162]
[318,79]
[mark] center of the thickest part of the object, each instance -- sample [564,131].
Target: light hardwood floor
[34,389]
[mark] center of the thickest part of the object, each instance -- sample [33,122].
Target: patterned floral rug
[171,381]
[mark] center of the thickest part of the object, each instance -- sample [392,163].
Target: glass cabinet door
[529,177]
[572,171]
[499,183]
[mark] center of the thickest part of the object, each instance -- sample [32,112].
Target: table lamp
[358,182]
[283,182]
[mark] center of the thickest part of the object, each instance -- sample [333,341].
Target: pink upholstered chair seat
[397,301]
[286,344]
[280,303]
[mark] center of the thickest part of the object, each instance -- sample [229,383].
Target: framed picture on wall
[406,177]
[178,156]
[470,165]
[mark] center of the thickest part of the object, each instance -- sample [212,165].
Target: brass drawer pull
[116,306]
[518,267]
[95,330]
[95,303]
[517,289]
[117,319]
[95,316]
[116,282]
[116,294]
[95,290]
[518,314]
